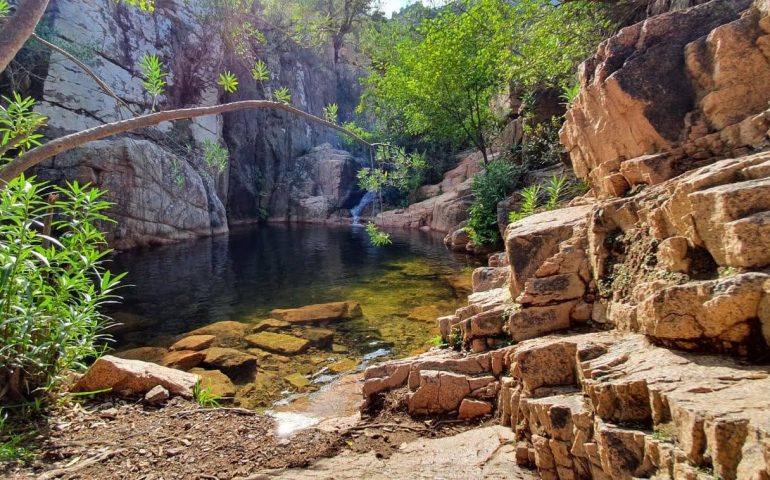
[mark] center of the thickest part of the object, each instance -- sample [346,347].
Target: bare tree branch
[85,69]
[16,30]
[62,144]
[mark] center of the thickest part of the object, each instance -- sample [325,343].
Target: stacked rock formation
[629,337]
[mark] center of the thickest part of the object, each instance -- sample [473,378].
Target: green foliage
[318,22]
[18,126]
[260,72]
[456,338]
[530,196]
[215,155]
[53,283]
[228,81]
[153,77]
[555,188]
[489,188]
[438,79]
[570,92]
[541,146]
[394,168]
[176,172]
[377,237]
[282,95]
[233,21]
[204,397]
[440,84]
[331,113]
[361,132]
[144,5]
[438,342]
[5,8]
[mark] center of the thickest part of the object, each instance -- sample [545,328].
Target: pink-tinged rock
[134,376]
[473,408]
[194,342]
[319,313]
[439,392]
[182,359]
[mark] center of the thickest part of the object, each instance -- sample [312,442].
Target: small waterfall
[355,212]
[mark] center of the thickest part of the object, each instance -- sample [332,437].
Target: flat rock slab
[194,342]
[321,312]
[319,337]
[134,376]
[479,453]
[278,343]
[271,324]
[228,358]
[227,333]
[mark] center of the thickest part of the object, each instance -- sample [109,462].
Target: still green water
[402,289]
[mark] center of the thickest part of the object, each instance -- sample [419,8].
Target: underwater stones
[182,359]
[425,313]
[271,324]
[216,382]
[229,334]
[298,380]
[134,376]
[194,342]
[229,359]
[324,312]
[319,337]
[278,343]
[473,408]
[145,354]
[343,365]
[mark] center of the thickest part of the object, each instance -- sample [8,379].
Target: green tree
[443,80]
[320,21]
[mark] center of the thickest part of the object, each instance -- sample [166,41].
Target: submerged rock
[323,312]
[271,324]
[319,337]
[278,343]
[228,333]
[145,354]
[194,342]
[228,358]
[298,380]
[134,377]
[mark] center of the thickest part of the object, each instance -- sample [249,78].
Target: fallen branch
[62,144]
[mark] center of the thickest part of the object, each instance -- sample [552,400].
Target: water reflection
[243,276]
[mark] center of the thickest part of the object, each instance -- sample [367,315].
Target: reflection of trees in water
[247,274]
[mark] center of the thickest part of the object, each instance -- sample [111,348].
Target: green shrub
[377,237]
[489,188]
[52,284]
[528,205]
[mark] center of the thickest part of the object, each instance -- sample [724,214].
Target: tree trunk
[337,45]
[15,30]
[62,144]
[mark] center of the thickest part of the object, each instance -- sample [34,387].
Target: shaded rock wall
[690,86]
[162,189]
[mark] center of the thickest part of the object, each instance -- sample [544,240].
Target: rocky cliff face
[639,320]
[162,188]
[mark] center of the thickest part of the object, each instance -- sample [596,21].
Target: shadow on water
[243,276]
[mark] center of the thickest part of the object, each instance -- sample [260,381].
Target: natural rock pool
[241,277]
